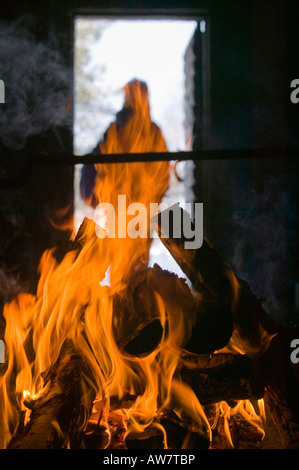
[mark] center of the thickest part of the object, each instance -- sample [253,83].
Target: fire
[245,410]
[73,305]
[70,303]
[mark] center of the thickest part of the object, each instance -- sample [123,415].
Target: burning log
[58,417]
[203,266]
[151,438]
[254,332]
[214,379]
[179,435]
[208,272]
[167,429]
[229,378]
[137,310]
[138,329]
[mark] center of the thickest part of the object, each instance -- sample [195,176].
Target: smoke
[38,85]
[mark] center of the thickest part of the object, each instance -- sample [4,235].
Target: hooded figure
[133,131]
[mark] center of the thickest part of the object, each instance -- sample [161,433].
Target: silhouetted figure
[133,131]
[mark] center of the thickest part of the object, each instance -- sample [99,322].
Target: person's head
[136,94]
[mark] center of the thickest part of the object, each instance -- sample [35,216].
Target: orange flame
[72,302]
[245,410]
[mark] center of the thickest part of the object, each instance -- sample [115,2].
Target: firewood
[254,332]
[150,293]
[230,380]
[58,418]
[95,436]
[137,332]
[137,324]
[216,378]
[213,326]
[179,435]
[284,421]
[209,273]
[202,266]
[151,438]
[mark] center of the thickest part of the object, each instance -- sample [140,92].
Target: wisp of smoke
[38,86]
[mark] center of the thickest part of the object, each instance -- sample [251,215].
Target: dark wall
[231,53]
[250,206]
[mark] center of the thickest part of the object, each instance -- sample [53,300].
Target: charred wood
[203,266]
[283,419]
[222,379]
[175,435]
[179,435]
[254,332]
[138,312]
[58,418]
[151,438]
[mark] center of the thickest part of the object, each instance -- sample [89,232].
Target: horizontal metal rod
[27,166]
[142,13]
